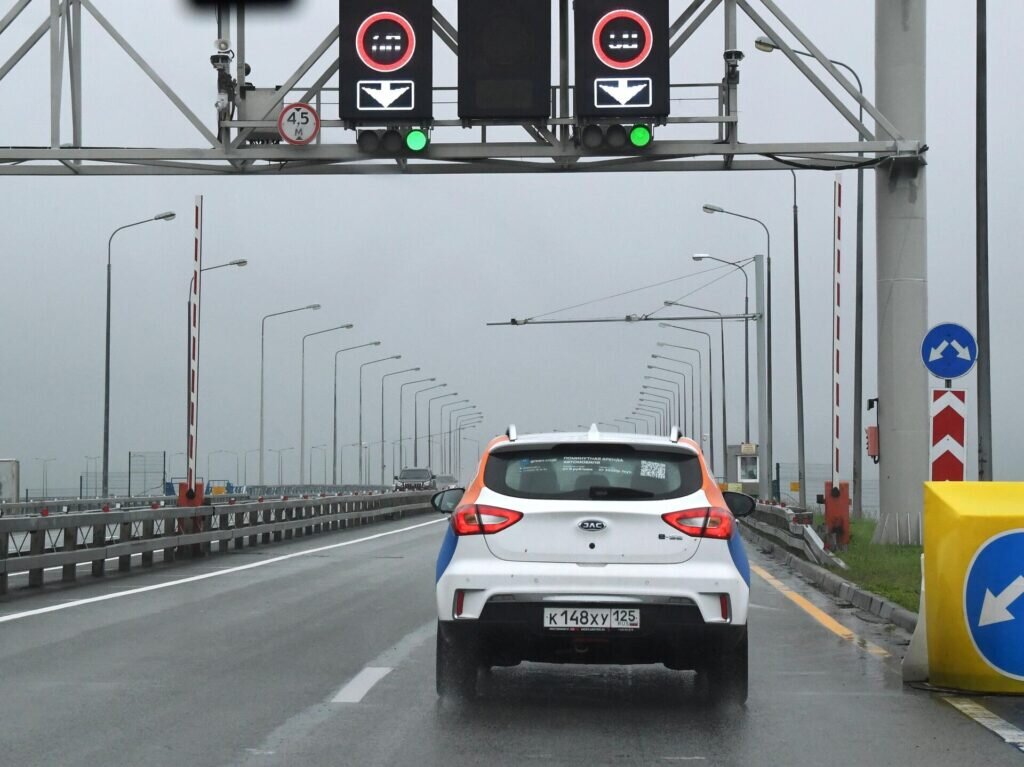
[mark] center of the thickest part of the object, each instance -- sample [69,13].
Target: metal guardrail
[118,503]
[34,543]
[792,528]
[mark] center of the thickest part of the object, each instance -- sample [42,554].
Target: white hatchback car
[593,548]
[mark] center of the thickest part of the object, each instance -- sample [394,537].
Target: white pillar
[901,223]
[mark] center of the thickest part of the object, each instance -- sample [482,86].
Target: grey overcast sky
[422,263]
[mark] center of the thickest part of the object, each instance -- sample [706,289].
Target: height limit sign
[298,124]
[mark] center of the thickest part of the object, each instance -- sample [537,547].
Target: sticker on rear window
[652,469]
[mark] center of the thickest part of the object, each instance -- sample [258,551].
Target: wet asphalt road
[243,668]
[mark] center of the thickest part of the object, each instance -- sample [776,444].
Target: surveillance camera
[222,44]
[733,56]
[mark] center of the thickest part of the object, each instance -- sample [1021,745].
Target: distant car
[415,479]
[446,482]
[593,548]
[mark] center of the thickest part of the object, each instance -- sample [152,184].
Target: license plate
[591,618]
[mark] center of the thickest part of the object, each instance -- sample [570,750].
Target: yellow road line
[818,614]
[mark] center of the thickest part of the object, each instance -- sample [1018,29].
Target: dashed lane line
[205,576]
[1012,735]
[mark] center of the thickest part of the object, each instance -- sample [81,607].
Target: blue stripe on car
[444,556]
[739,554]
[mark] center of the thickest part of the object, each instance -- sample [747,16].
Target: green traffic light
[640,136]
[416,140]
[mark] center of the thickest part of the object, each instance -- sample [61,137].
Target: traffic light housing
[504,59]
[392,142]
[385,61]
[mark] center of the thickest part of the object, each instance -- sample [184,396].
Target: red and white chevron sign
[949,438]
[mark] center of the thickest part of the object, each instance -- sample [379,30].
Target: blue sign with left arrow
[994,603]
[949,351]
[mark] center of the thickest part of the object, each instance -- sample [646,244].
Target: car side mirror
[446,501]
[740,504]
[396,476]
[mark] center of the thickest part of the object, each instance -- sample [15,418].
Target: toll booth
[743,467]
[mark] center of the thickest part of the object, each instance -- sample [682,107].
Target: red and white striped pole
[837,249]
[193,352]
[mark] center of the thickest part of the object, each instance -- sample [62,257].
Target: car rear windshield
[595,472]
[414,474]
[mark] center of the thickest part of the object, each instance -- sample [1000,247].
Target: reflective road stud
[974,578]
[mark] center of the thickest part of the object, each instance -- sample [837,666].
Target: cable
[873,163]
[623,293]
[687,295]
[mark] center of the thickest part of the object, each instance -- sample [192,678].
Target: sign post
[190,492]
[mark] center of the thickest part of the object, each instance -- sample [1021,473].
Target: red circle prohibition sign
[633,16]
[298,107]
[364,55]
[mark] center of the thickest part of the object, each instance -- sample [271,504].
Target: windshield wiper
[598,492]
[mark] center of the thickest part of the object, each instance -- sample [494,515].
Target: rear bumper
[699,582]
[676,635]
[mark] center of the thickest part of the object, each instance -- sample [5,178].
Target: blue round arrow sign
[994,603]
[949,351]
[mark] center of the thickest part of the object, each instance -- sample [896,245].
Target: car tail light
[477,519]
[724,601]
[702,523]
[460,602]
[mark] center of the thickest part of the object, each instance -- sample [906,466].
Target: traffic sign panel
[949,350]
[385,62]
[994,602]
[298,124]
[948,452]
[622,59]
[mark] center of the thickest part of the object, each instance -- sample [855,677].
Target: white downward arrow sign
[386,94]
[622,92]
[995,609]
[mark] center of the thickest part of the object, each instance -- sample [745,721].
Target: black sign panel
[386,62]
[505,59]
[621,59]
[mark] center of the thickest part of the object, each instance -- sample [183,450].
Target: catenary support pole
[981,255]
[901,212]
[764,473]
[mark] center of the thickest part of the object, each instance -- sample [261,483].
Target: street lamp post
[245,466]
[167,216]
[609,425]
[657,413]
[416,421]
[740,267]
[465,421]
[649,421]
[401,417]
[336,468]
[767,45]
[725,399]
[446,462]
[263,328]
[650,396]
[364,477]
[630,424]
[323,451]
[280,461]
[302,400]
[384,378]
[637,423]
[441,430]
[696,416]
[430,422]
[679,391]
[45,462]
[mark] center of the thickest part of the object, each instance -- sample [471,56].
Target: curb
[833,584]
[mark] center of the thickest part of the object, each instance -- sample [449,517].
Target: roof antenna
[676,435]
[510,432]
[594,433]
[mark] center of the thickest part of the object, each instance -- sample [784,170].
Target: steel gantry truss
[242,137]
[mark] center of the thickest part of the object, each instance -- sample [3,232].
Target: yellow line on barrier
[818,614]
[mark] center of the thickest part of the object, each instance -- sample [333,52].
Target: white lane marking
[204,576]
[763,607]
[988,720]
[360,684]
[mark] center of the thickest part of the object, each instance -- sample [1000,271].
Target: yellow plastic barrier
[974,579]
